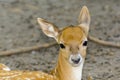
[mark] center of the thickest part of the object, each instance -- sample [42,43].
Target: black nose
[76,61]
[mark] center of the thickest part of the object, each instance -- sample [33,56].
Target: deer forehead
[72,35]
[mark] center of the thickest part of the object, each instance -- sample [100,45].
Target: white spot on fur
[6,69]
[27,79]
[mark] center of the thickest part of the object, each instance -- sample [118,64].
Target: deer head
[72,39]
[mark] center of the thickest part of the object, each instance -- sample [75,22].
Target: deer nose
[76,58]
[76,61]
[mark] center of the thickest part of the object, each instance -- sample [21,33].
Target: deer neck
[66,71]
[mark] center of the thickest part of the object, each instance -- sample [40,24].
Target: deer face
[72,39]
[73,43]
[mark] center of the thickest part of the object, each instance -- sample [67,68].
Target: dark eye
[85,43]
[62,46]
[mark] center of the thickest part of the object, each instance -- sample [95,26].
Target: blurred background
[19,28]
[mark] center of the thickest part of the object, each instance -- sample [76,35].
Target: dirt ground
[19,28]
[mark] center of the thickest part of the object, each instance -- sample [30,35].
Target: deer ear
[48,28]
[84,19]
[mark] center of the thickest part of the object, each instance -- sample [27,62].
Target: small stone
[33,52]
[111,53]
[106,7]
[89,78]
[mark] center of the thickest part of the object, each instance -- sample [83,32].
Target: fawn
[73,43]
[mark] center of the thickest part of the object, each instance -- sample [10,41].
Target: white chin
[75,65]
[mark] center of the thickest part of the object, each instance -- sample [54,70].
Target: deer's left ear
[84,19]
[48,28]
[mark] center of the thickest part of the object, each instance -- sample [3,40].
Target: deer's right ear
[48,28]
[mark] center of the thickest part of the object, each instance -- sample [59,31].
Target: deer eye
[85,43]
[62,46]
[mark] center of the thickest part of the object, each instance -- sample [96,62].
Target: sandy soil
[18,28]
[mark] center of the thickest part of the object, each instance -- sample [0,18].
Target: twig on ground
[38,47]
[104,43]
[26,49]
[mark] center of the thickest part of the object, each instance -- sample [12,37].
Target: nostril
[76,61]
